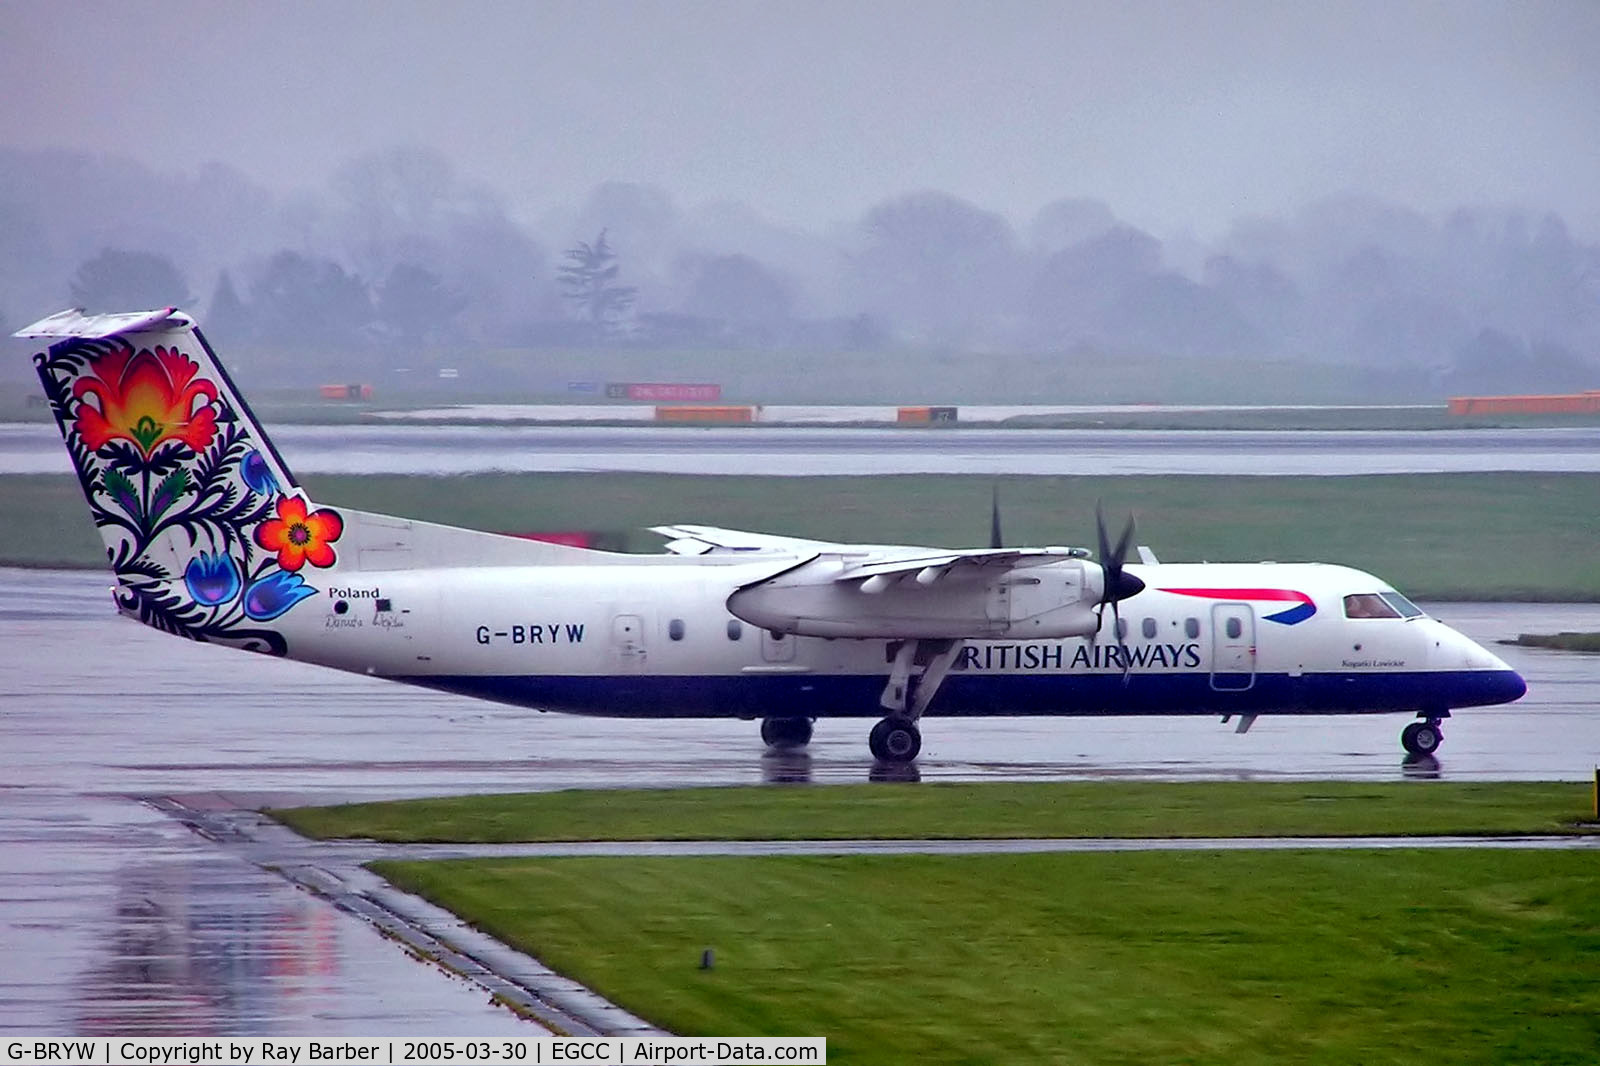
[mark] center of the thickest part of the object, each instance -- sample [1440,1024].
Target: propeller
[1118,584]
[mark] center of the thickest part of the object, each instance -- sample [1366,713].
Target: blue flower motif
[274,594]
[212,578]
[257,475]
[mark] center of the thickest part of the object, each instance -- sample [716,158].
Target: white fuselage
[652,641]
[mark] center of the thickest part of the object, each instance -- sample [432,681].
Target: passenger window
[1122,629]
[1234,628]
[1368,605]
[1191,628]
[675,629]
[1148,629]
[735,630]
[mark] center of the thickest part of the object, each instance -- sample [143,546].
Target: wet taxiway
[115,917]
[35,448]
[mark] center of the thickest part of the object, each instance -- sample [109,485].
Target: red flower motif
[298,537]
[147,398]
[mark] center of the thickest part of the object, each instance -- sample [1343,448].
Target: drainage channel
[429,932]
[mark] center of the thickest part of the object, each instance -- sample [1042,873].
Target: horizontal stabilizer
[78,323]
[699,540]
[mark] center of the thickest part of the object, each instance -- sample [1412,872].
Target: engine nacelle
[1042,601]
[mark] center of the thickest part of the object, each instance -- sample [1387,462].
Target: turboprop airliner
[210,537]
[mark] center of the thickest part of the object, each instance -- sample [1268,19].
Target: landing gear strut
[1422,738]
[786,734]
[896,738]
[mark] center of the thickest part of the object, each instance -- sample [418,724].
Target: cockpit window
[1406,608]
[1368,605]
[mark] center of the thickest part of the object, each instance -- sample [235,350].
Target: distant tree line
[402,254]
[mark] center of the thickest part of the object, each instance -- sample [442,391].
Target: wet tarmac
[117,918]
[33,448]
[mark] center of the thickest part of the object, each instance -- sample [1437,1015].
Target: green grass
[1587,642]
[1237,958]
[1453,536]
[967,811]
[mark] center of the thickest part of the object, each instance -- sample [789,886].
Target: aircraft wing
[932,566]
[899,593]
[861,561]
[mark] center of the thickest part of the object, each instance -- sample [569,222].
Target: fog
[1404,190]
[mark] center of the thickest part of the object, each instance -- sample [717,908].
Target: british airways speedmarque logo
[1303,606]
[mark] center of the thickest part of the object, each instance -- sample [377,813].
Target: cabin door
[627,642]
[1233,647]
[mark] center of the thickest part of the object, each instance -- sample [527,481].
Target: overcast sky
[1181,115]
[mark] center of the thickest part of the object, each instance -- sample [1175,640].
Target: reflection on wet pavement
[1421,766]
[116,918]
[182,958]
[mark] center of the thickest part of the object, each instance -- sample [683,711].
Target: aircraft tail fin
[207,530]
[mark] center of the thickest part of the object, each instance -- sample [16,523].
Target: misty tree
[117,280]
[638,217]
[1167,313]
[415,303]
[297,297]
[411,206]
[1063,223]
[588,283]
[937,267]
[1267,298]
[226,314]
[1076,292]
[738,289]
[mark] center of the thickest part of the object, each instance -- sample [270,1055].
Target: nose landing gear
[1423,738]
[920,667]
[895,739]
[786,734]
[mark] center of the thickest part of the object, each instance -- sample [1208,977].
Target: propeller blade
[1118,584]
[1124,542]
[1122,643]
[1103,543]
[995,539]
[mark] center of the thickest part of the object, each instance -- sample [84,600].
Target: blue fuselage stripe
[1004,695]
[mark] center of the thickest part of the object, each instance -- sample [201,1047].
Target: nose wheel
[1422,738]
[895,739]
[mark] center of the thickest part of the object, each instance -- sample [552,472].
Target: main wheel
[895,740]
[786,732]
[1421,738]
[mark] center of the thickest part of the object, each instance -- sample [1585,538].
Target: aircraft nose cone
[1483,688]
[1511,686]
[1125,586]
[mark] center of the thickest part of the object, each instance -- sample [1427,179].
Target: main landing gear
[920,667]
[1424,737]
[786,734]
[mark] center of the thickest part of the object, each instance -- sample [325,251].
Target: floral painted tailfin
[208,532]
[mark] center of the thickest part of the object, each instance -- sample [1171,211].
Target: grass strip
[1239,958]
[1430,535]
[1560,641]
[995,810]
